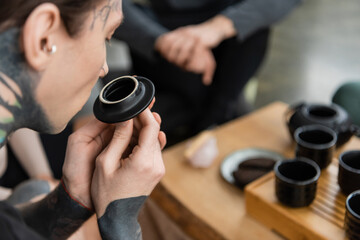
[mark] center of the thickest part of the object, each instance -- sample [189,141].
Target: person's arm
[56,216]
[120,165]
[4,193]
[126,172]
[248,16]
[139,30]
[29,150]
[239,20]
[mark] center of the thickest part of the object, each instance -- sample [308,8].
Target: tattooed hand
[106,144]
[132,164]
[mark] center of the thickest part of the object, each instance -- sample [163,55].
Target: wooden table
[201,202]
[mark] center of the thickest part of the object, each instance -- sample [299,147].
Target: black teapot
[332,116]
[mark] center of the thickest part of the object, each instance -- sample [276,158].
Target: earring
[50,51]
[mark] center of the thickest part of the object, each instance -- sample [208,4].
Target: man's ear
[39,33]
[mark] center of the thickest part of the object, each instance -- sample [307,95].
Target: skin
[82,68]
[104,163]
[190,47]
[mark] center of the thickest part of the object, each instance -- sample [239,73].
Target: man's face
[79,61]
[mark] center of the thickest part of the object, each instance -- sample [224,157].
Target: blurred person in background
[200,54]
[29,151]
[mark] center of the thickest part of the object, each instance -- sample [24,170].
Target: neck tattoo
[18,107]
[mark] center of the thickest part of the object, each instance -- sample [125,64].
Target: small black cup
[349,171]
[296,181]
[317,143]
[352,216]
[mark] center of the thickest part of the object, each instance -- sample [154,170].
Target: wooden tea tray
[323,219]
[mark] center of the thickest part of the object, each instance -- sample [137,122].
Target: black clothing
[13,227]
[185,104]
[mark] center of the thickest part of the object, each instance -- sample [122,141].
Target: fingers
[185,52]
[152,103]
[163,43]
[157,117]
[110,157]
[93,132]
[210,66]
[93,128]
[162,136]
[149,131]
[137,124]
[182,49]
[174,48]
[134,140]
[202,62]
[162,139]
[106,136]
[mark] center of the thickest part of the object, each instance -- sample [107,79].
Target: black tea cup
[352,216]
[349,171]
[296,181]
[317,143]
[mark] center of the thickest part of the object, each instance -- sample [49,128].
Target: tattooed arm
[125,224]
[126,172]
[124,175]
[56,216]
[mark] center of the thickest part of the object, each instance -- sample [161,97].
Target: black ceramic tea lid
[123,98]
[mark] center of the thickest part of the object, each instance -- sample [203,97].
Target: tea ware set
[317,129]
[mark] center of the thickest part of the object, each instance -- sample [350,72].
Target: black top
[143,25]
[12,225]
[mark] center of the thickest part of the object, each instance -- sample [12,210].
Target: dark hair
[13,13]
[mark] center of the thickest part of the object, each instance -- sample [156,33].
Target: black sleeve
[139,30]
[13,227]
[251,15]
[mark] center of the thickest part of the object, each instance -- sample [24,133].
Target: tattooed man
[51,55]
